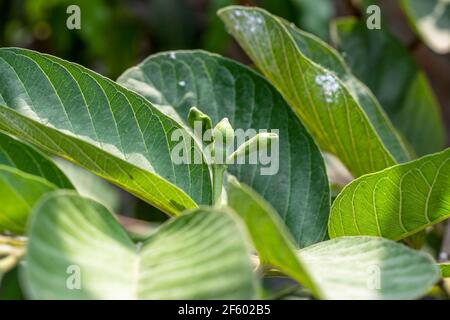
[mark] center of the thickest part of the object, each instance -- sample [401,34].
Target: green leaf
[431,20]
[91,186]
[223,88]
[199,255]
[395,203]
[445,269]
[26,175]
[270,237]
[19,155]
[339,111]
[19,192]
[373,268]
[85,118]
[343,268]
[399,85]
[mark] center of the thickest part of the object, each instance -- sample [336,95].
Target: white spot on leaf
[250,21]
[182,83]
[329,84]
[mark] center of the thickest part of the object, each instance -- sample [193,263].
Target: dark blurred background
[117,34]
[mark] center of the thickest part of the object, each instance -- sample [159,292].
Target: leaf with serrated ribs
[81,116]
[339,111]
[395,203]
[401,87]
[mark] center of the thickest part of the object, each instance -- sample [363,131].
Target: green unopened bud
[199,121]
[223,130]
[259,143]
[223,134]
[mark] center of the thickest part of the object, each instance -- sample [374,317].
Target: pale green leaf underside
[431,19]
[343,268]
[339,111]
[396,202]
[373,268]
[199,255]
[16,154]
[19,192]
[400,86]
[178,80]
[90,120]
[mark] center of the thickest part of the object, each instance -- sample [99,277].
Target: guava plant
[230,226]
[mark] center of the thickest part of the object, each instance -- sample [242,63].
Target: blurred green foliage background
[117,34]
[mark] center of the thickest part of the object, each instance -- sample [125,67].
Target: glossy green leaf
[431,20]
[343,268]
[339,111]
[399,85]
[219,87]
[19,155]
[19,192]
[83,117]
[199,255]
[396,202]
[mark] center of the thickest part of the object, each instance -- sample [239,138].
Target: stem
[8,263]
[18,242]
[445,291]
[266,270]
[218,172]
[11,251]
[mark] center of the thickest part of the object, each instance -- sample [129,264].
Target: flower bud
[259,143]
[199,122]
[223,134]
